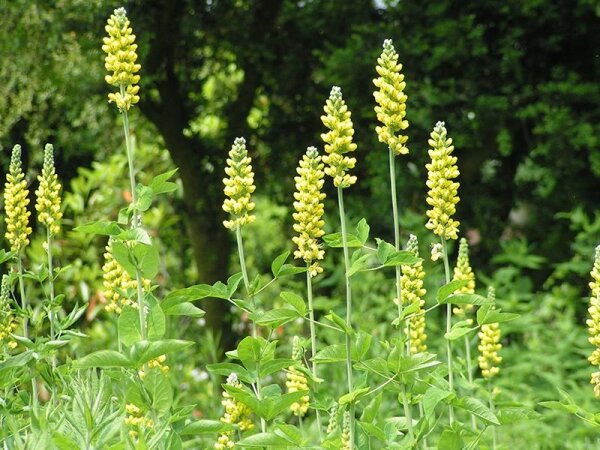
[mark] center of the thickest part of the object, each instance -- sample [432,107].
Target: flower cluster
[345,444]
[338,140]
[413,292]
[463,271]
[309,210]
[239,186]
[156,363]
[236,413]
[333,418]
[121,56]
[443,192]
[117,282]
[15,204]
[296,381]
[136,420]
[8,322]
[48,194]
[391,100]
[593,323]
[489,346]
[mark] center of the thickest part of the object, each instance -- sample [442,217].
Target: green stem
[34,391]
[470,375]
[51,287]
[448,328]
[135,222]
[493,409]
[348,308]
[263,424]
[392,159]
[240,246]
[313,340]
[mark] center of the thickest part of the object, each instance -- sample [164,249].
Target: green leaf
[128,325]
[339,322]
[135,234]
[103,359]
[289,269]
[401,258]
[458,330]
[124,257]
[101,227]
[432,397]
[358,264]
[144,351]
[369,414]
[160,185]
[249,352]
[277,317]
[265,440]
[226,369]
[147,258]
[5,256]
[331,354]
[278,263]
[188,294]
[450,440]
[155,320]
[334,240]
[516,414]
[353,396]
[158,387]
[184,309]
[449,289]
[232,284]
[384,250]
[466,299]
[476,408]
[144,198]
[553,404]
[362,230]
[205,426]
[275,365]
[295,301]
[486,314]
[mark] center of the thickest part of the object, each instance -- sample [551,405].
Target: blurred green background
[517,83]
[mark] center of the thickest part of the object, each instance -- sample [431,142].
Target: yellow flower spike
[463,271]
[413,292]
[117,282]
[121,57]
[296,381]
[48,194]
[391,100]
[236,413]
[489,346]
[443,192]
[15,204]
[136,420]
[8,322]
[239,186]
[338,140]
[593,323]
[309,210]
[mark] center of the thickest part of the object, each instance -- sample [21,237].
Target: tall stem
[448,328]
[135,221]
[51,288]
[392,159]
[313,340]
[493,409]
[348,308]
[240,246]
[34,392]
[470,375]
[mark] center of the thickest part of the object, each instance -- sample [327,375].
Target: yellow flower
[593,323]
[239,186]
[236,413]
[338,140]
[117,283]
[489,346]
[158,363]
[442,195]
[15,204]
[413,292]
[391,100]
[296,381]
[463,271]
[8,322]
[48,194]
[121,56]
[309,210]
[136,420]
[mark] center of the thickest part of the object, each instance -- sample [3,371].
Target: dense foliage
[517,87]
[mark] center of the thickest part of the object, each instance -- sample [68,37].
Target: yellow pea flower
[239,186]
[15,204]
[48,194]
[414,292]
